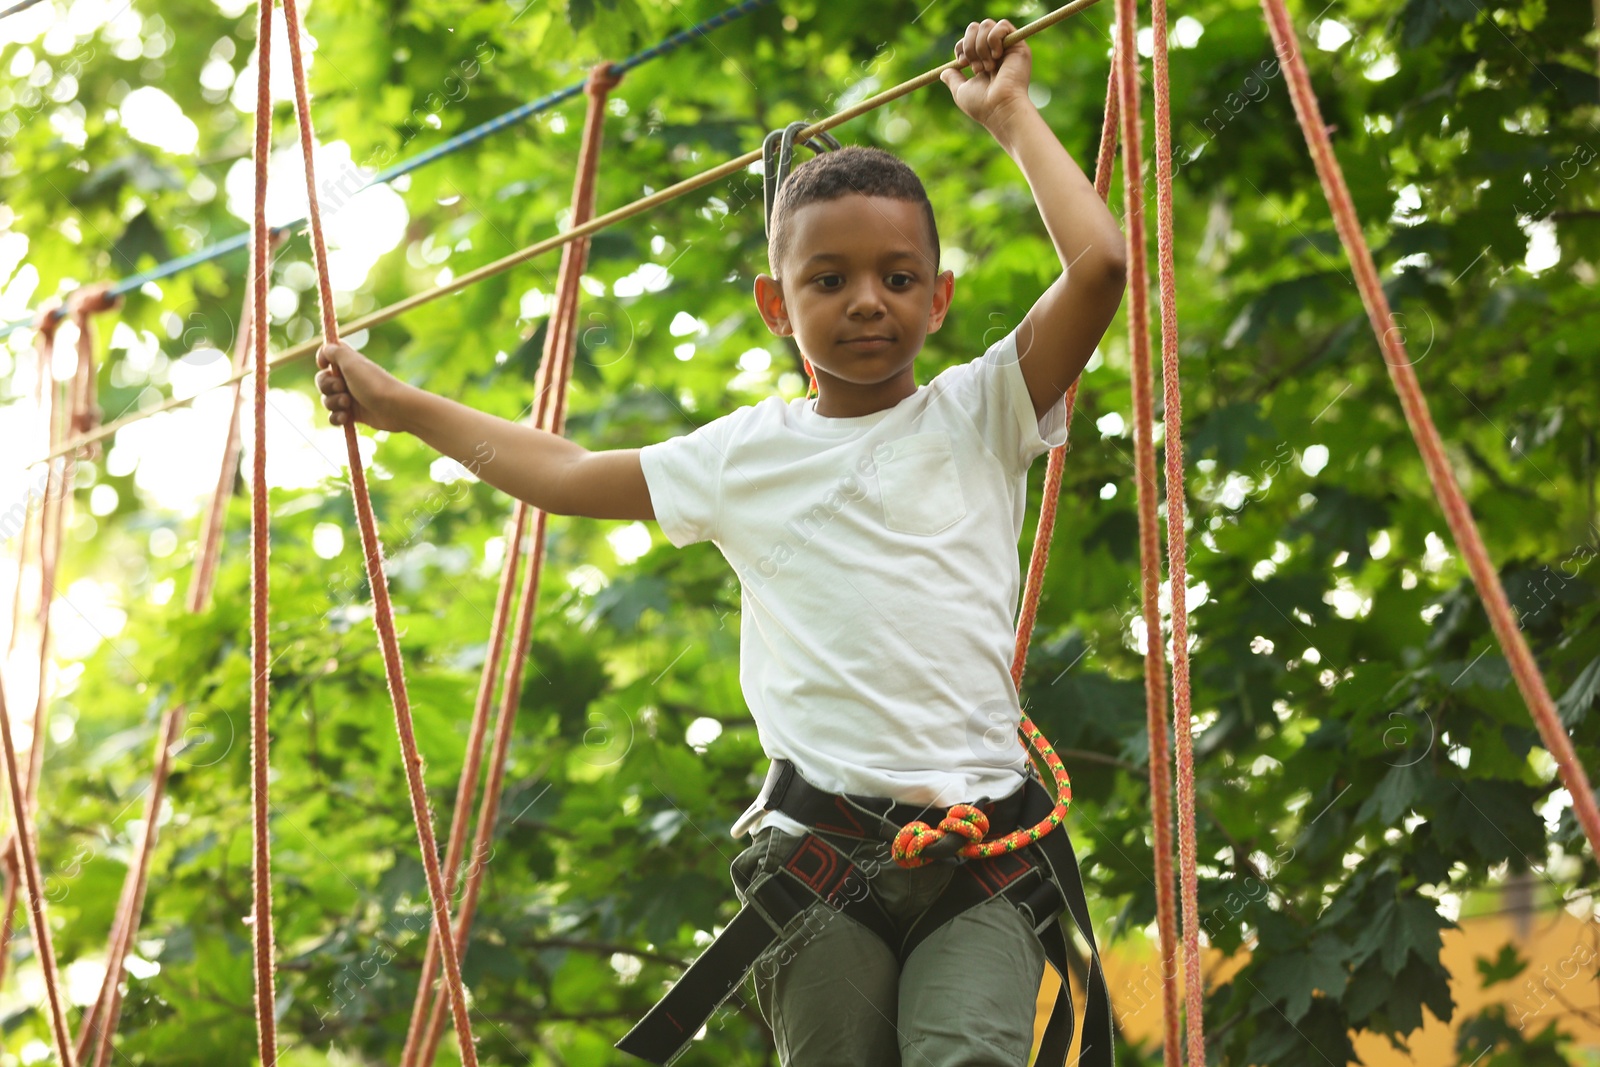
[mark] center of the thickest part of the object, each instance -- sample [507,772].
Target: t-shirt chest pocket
[920,486]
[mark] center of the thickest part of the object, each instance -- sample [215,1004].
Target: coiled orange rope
[383,615]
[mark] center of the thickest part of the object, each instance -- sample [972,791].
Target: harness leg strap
[814,872]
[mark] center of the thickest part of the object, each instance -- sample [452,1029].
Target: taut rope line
[1456,512]
[383,614]
[551,380]
[261,930]
[593,226]
[1177,562]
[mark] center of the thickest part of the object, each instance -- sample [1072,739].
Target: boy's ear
[943,291]
[769,301]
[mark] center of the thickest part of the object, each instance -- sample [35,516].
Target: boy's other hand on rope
[355,388]
[998,88]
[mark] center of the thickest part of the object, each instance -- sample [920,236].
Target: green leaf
[1504,967]
[1294,976]
[1576,701]
[1395,794]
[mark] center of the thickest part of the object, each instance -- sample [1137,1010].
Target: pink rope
[1415,405]
[1155,668]
[261,928]
[206,557]
[44,336]
[1177,568]
[466,788]
[36,911]
[1160,788]
[383,614]
[100,1020]
[52,523]
[549,415]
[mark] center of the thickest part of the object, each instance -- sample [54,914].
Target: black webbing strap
[814,871]
[873,818]
[667,1028]
[1039,880]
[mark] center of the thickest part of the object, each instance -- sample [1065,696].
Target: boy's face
[859,293]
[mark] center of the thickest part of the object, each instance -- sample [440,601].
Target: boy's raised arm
[546,470]
[1060,332]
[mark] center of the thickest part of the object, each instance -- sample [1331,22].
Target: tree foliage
[1365,764]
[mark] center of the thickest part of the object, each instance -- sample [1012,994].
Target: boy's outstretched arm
[546,470]
[1060,332]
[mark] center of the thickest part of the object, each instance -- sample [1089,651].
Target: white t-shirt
[878,562]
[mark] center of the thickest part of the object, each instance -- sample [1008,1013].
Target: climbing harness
[1040,882]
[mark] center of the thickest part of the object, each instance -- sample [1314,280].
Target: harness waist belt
[1040,880]
[876,818]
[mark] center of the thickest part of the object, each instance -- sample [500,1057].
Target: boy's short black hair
[852,170]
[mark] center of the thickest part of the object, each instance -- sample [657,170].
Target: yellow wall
[1561,983]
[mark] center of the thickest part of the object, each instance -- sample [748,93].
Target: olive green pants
[835,996]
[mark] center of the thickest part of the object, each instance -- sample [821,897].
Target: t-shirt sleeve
[992,391]
[684,475]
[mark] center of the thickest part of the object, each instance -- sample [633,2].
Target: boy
[874,532]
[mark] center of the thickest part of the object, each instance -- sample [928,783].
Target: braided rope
[44,338]
[383,614]
[596,224]
[99,1022]
[46,395]
[21,854]
[261,929]
[70,405]
[550,415]
[449,146]
[1451,501]
[28,859]
[1177,567]
[206,557]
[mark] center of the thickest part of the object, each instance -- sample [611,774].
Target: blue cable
[438,151]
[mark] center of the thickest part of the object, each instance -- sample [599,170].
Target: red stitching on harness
[1000,871]
[820,876]
[854,825]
